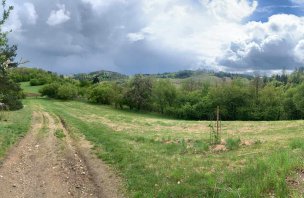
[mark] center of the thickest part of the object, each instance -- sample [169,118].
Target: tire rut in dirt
[42,165]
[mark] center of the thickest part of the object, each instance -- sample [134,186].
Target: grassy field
[161,157]
[28,89]
[13,126]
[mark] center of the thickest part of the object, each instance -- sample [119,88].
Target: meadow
[163,157]
[158,156]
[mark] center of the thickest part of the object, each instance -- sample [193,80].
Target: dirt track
[43,165]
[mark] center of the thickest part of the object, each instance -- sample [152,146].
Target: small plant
[59,134]
[297,144]
[233,143]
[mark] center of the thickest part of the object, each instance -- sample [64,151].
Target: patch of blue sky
[267,8]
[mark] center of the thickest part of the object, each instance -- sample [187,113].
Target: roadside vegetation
[13,126]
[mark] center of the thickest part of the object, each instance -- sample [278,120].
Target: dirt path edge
[104,177]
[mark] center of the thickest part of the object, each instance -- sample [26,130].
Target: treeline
[280,97]
[34,76]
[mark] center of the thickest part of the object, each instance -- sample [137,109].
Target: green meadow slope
[162,157]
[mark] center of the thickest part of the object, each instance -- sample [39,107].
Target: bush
[232,143]
[10,94]
[37,81]
[13,102]
[67,92]
[102,94]
[50,90]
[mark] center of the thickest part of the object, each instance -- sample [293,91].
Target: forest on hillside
[279,97]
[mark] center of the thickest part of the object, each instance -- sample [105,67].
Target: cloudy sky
[151,36]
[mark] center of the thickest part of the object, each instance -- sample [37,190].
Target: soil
[43,165]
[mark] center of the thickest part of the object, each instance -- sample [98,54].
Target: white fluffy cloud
[58,16]
[201,28]
[156,35]
[276,44]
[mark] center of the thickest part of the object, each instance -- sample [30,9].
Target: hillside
[101,75]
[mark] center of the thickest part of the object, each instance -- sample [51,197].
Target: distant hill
[196,73]
[176,77]
[102,75]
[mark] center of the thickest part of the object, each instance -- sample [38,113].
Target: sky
[155,36]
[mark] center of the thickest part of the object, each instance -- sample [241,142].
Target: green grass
[13,127]
[233,143]
[162,157]
[28,89]
[297,143]
[59,134]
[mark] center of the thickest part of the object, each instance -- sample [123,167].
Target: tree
[270,104]
[67,91]
[298,98]
[101,93]
[164,94]
[10,92]
[118,97]
[139,93]
[50,90]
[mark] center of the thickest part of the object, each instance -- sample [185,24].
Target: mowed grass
[13,126]
[162,157]
[28,89]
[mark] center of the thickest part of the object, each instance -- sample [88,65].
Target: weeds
[59,134]
[233,143]
[297,144]
[266,176]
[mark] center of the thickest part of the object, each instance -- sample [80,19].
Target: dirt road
[47,162]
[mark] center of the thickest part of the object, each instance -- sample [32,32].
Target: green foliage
[260,98]
[164,94]
[270,103]
[298,98]
[99,76]
[139,93]
[10,94]
[67,92]
[102,93]
[50,90]
[37,82]
[35,76]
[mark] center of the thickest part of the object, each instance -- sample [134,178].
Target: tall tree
[164,94]
[10,92]
[140,93]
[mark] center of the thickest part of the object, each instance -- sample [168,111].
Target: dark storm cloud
[131,36]
[89,40]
